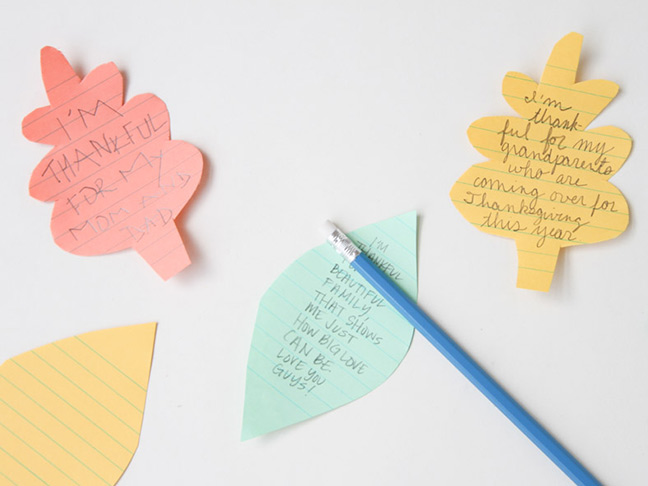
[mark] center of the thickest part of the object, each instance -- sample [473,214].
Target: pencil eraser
[328,228]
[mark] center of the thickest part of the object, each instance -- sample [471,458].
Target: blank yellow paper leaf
[546,181]
[71,411]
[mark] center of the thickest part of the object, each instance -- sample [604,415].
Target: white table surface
[353,111]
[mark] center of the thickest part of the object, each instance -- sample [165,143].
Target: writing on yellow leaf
[545,183]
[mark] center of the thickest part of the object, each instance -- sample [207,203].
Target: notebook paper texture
[116,179]
[323,337]
[546,181]
[71,411]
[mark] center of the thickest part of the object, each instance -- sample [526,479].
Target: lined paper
[323,337]
[546,181]
[71,411]
[116,179]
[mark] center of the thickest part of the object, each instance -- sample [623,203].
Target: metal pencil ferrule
[343,245]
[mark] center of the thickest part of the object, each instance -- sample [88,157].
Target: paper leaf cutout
[546,181]
[71,411]
[323,336]
[116,179]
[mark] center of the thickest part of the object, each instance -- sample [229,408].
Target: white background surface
[353,111]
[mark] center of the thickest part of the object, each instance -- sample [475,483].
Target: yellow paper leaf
[546,181]
[71,411]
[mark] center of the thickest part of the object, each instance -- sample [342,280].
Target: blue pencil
[459,358]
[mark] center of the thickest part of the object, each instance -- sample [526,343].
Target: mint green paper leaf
[323,336]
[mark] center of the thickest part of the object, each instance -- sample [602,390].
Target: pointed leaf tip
[57,73]
[562,66]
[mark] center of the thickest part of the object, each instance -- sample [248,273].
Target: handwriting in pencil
[116,178]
